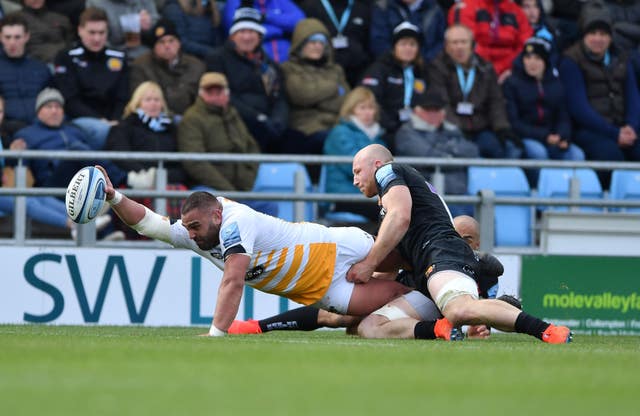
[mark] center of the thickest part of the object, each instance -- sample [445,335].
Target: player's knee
[370,327]
[461,310]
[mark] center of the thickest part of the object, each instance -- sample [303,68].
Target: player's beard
[210,239]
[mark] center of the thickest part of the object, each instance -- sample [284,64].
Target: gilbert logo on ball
[85,195]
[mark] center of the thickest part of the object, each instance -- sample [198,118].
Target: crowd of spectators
[537,79]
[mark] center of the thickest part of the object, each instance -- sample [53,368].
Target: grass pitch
[56,370]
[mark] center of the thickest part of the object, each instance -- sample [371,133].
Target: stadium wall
[158,287]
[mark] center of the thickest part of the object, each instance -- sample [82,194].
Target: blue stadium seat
[512,222]
[326,209]
[625,184]
[280,178]
[554,183]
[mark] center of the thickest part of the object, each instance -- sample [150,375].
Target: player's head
[365,163]
[469,230]
[202,216]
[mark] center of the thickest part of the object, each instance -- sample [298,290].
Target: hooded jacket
[315,90]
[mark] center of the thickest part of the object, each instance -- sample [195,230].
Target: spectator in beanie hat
[278,21]
[176,72]
[255,80]
[536,106]
[398,78]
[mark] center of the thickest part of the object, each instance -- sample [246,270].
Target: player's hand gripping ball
[86,195]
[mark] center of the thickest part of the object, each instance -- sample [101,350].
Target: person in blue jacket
[426,14]
[197,24]
[279,19]
[21,78]
[536,105]
[358,127]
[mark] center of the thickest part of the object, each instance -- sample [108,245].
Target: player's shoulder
[390,172]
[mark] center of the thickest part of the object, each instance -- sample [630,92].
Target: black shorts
[450,253]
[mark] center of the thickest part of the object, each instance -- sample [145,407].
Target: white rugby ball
[85,195]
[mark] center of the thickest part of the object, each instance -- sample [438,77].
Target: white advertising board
[154,287]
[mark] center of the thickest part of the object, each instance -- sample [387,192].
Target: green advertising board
[591,295]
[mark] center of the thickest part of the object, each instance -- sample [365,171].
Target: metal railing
[484,202]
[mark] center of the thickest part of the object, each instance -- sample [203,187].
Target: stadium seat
[554,183]
[512,222]
[326,209]
[280,178]
[625,184]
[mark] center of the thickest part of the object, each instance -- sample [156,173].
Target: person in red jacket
[500,29]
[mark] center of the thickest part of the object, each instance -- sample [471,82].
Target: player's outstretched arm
[229,293]
[129,211]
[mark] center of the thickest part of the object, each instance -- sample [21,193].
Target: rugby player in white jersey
[304,262]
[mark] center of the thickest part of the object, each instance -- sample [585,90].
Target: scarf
[156,124]
[371,131]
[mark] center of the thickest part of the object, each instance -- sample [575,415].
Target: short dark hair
[199,200]
[14,19]
[93,14]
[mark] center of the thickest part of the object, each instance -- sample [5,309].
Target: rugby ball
[86,195]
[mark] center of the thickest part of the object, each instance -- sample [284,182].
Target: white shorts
[353,245]
[459,285]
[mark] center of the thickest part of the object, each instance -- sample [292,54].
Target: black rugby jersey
[430,217]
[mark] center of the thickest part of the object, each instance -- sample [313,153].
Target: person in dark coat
[176,72]
[93,78]
[255,81]
[197,24]
[426,14]
[474,99]
[146,127]
[536,105]
[602,93]
[21,77]
[398,78]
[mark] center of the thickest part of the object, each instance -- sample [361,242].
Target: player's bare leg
[367,297]
[454,297]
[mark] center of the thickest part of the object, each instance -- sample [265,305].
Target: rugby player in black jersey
[417,222]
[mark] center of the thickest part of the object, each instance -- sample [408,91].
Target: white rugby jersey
[294,260]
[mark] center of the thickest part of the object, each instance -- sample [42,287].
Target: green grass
[60,370]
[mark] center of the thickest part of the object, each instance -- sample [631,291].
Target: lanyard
[408,85]
[334,19]
[607,58]
[466,83]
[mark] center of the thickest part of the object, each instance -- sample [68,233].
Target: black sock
[301,319]
[425,330]
[527,324]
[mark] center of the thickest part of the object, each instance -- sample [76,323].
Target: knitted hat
[164,27]
[406,30]
[537,46]
[246,17]
[593,16]
[47,95]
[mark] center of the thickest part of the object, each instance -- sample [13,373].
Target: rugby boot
[557,335]
[245,327]
[444,329]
